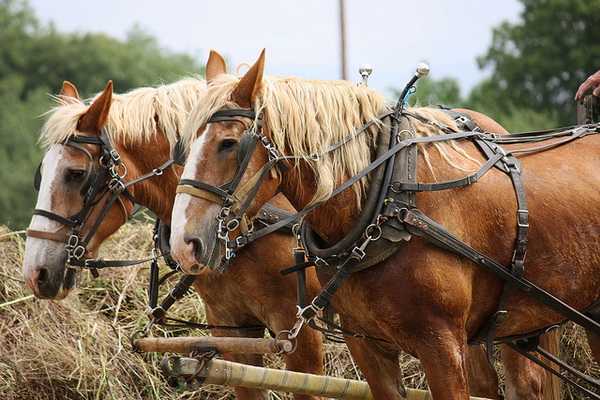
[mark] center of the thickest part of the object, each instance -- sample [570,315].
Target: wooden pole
[235,345]
[221,372]
[343,69]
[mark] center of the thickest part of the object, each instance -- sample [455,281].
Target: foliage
[34,61]
[539,61]
[445,91]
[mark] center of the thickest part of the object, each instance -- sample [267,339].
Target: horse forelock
[134,117]
[305,117]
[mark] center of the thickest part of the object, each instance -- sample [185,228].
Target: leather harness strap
[59,236]
[199,193]
[107,181]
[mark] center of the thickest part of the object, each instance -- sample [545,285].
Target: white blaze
[182,200]
[36,249]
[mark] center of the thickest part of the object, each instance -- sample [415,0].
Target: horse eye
[75,175]
[227,144]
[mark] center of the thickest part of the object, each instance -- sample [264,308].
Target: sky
[302,37]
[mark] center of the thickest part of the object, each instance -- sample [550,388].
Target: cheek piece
[104,180]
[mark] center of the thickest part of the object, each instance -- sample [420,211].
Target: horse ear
[69,90]
[97,114]
[245,92]
[215,66]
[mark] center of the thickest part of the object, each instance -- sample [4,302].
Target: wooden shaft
[221,372]
[234,345]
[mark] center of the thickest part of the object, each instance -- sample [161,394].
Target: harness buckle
[73,241]
[115,156]
[77,253]
[523,215]
[241,241]
[229,253]
[116,185]
[358,253]
[232,225]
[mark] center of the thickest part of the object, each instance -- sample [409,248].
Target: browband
[228,115]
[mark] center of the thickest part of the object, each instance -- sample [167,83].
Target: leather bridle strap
[55,217]
[58,236]
[230,114]
[217,192]
[199,193]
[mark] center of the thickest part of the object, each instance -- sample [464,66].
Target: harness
[390,214]
[106,179]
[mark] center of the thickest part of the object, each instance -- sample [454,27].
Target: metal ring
[373,228]
[287,334]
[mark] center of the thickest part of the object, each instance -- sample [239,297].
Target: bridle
[101,180]
[234,198]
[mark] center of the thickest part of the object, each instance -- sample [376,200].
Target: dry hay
[79,348]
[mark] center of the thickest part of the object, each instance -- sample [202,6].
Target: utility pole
[343,69]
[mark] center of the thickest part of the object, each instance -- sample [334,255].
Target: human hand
[591,84]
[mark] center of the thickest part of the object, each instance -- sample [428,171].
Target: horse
[422,299]
[142,127]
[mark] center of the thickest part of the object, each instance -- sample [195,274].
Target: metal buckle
[229,253]
[72,241]
[224,213]
[241,241]
[116,157]
[116,185]
[232,225]
[319,261]
[358,253]
[77,252]
[525,215]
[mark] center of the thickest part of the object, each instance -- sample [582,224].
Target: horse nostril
[42,276]
[197,247]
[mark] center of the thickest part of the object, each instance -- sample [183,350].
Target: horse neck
[156,193]
[332,219]
[336,217]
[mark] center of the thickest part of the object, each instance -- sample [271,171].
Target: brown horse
[143,126]
[422,299]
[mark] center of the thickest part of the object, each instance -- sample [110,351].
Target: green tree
[539,61]
[445,91]
[34,61]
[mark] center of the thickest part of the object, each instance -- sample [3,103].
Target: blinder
[37,178]
[179,153]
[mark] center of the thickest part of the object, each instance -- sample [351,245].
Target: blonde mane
[305,117]
[134,117]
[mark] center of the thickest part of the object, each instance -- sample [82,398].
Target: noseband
[235,199]
[105,179]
